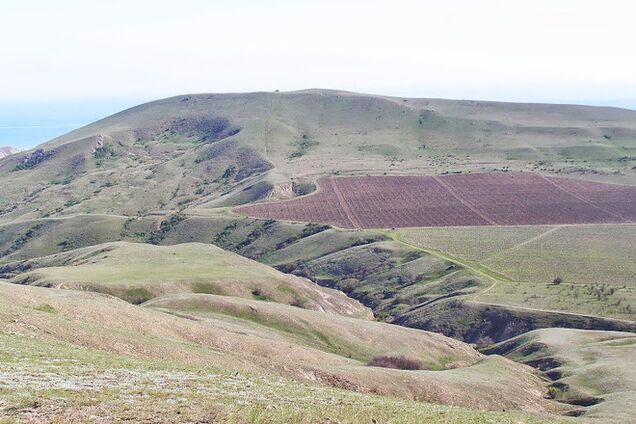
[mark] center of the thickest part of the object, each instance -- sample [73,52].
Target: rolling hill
[126,256]
[213,150]
[199,345]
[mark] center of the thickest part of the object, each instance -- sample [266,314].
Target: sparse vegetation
[104,153]
[301,147]
[45,307]
[34,159]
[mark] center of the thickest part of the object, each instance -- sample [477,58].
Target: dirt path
[495,277]
[268,126]
[553,311]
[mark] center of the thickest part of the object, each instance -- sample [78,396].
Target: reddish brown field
[455,200]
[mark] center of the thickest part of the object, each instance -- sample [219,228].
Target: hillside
[253,256]
[139,272]
[591,369]
[224,149]
[112,349]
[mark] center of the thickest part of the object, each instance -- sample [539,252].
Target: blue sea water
[26,124]
[25,137]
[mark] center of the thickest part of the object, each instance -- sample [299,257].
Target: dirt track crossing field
[455,200]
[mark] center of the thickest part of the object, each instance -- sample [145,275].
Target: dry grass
[597,367]
[102,323]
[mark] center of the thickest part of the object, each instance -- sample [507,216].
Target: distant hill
[7,150]
[208,150]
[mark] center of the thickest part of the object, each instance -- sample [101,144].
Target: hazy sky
[556,50]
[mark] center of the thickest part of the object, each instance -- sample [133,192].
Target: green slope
[139,272]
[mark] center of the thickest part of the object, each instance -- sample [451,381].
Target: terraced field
[455,200]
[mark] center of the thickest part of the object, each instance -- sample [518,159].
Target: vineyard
[455,200]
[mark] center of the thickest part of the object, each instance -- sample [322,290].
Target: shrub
[557,281]
[137,296]
[45,307]
[398,362]
[258,295]
[553,392]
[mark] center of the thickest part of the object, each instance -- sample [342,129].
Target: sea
[27,124]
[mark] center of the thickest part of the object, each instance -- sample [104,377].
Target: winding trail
[496,278]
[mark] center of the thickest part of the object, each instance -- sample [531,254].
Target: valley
[250,257]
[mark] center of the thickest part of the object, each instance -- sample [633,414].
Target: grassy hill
[592,369]
[7,150]
[211,150]
[133,206]
[97,354]
[139,272]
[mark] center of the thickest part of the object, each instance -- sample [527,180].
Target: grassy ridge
[139,272]
[215,150]
[131,389]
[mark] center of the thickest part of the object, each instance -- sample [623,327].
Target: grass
[593,367]
[139,272]
[347,337]
[45,307]
[596,264]
[67,384]
[154,174]
[140,363]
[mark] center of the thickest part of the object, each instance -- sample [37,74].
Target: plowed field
[455,200]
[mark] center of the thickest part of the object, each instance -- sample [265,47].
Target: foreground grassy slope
[357,339]
[85,384]
[592,369]
[596,264]
[104,338]
[138,272]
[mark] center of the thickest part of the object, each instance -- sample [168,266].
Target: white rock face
[7,150]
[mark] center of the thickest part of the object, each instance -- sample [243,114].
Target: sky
[92,58]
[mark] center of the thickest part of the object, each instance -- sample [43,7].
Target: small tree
[557,281]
